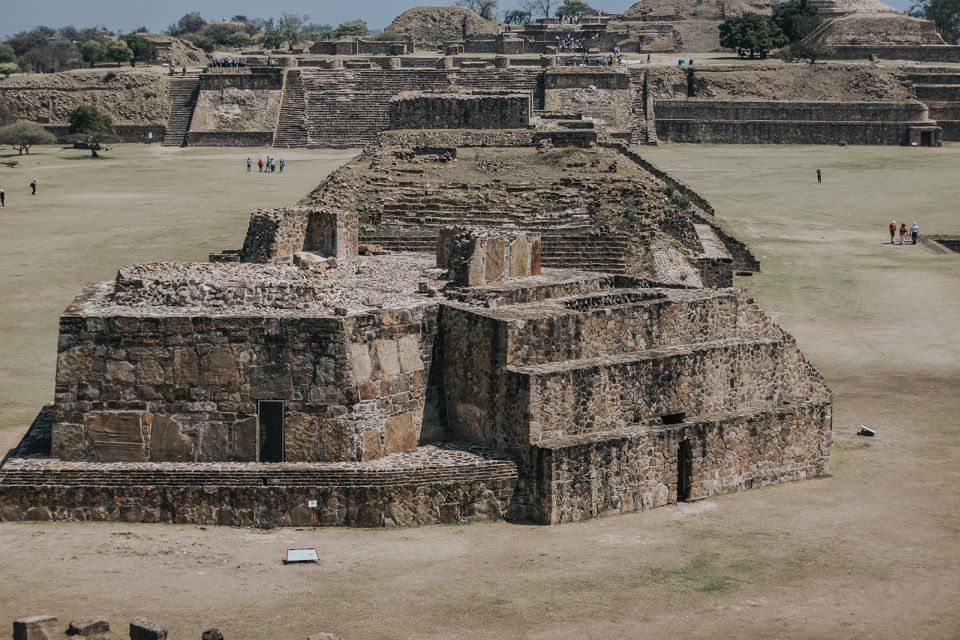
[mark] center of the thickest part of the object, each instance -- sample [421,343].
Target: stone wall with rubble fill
[636,469]
[429,486]
[274,235]
[421,110]
[181,388]
[605,96]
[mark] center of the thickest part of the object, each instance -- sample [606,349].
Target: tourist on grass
[893,230]
[914,232]
[260,168]
[819,177]
[903,232]
[3,198]
[283,163]
[33,187]
[249,165]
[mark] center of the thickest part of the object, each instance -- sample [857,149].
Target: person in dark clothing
[819,177]
[3,198]
[33,187]
[893,230]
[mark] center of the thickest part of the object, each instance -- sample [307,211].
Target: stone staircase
[291,125]
[183,98]
[348,107]
[939,89]
[638,125]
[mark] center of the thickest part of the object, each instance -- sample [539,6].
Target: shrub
[22,135]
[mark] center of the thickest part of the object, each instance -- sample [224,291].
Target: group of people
[268,166]
[569,43]
[3,194]
[914,232]
[228,62]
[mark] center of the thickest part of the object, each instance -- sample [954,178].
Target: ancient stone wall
[604,96]
[783,132]
[275,235]
[236,110]
[931,53]
[133,97]
[417,110]
[250,79]
[634,470]
[430,486]
[474,257]
[182,388]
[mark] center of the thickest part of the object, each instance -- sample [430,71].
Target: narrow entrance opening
[270,415]
[684,471]
[926,139]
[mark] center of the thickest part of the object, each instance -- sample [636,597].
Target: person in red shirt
[903,232]
[893,230]
[260,167]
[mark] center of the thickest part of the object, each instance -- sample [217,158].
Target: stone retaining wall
[781,132]
[453,488]
[418,110]
[637,469]
[930,53]
[730,110]
[229,138]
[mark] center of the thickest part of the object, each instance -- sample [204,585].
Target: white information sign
[307,554]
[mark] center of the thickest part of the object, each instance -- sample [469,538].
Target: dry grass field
[870,551]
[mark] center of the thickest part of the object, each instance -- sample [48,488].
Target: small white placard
[308,554]
[312,504]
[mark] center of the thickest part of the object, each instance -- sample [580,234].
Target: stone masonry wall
[606,97]
[634,470]
[182,388]
[274,235]
[416,110]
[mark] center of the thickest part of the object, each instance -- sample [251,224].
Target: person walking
[893,230]
[819,177]
[273,165]
[260,170]
[249,165]
[283,163]
[914,232]
[33,187]
[3,198]
[903,232]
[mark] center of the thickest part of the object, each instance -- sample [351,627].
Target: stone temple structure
[552,337]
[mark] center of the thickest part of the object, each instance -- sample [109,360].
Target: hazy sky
[130,14]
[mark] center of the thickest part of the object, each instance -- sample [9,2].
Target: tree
[238,39]
[272,35]
[8,68]
[23,134]
[539,7]
[90,127]
[317,32]
[574,9]
[119,51]
[751,31]
[142,49]
[516,16]
[291,28]
[351,28]
[93,52]
[945,14]
[789,17]
[486,8]
[190,23]
[7,54]
[810,51]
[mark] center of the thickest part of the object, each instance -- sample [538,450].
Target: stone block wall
[415,110]
[603,96]
[251,79]
[929,53]
[275,235]
[474,256]
[737,110]
[180,388]
[634,470]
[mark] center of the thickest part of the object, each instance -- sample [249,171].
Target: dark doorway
[926,139]
[684,471]
[270,416]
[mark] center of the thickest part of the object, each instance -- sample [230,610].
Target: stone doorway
[270,432]
[684,471]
